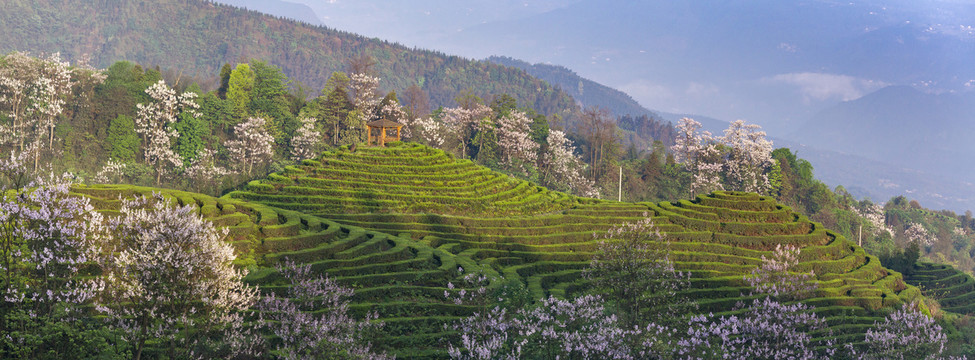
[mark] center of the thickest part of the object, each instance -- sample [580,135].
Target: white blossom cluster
[203,170]
[165,268]
[514,139]
[306,142]
[751,155]
[153,123]
[254,146]
[565,167]
[877,219]
[918,233]
[34,92]
[111,170]
[460,123]
[744,165]
[431,131]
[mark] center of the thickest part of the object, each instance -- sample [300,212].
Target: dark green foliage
[193,134]
[224,80]
[122,141]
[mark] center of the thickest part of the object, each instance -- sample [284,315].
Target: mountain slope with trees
[197,37]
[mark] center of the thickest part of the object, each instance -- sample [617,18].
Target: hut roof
[384,123]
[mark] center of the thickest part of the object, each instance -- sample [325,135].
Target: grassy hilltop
[399,223]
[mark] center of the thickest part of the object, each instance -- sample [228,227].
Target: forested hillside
[196,37]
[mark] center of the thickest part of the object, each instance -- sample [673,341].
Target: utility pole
[621,185]
[860,236]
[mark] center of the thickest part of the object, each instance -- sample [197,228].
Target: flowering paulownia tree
[203,172]
[46,237]
[749,158]
[153,122]
[254,146]
[742,157]
[905,334]
[461,123]
[306,142]
[773,278]
[553,329]
[47,241]
[306,333]
[564,168]
[766,330]
[699,153]
[34,92]
[514,139]
[168,273]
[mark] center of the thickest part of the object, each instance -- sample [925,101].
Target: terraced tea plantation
[954,289]
[399,223]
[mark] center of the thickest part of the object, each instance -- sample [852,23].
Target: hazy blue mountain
[903,126]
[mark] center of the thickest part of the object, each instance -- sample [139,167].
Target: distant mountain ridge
[198,37]
[585,91]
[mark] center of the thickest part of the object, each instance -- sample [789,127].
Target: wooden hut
[380,126]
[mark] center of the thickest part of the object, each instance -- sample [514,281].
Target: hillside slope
[545,239]
[198,37]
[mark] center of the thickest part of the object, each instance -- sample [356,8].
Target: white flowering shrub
[515,142]
[203,173]
[34,92]
[111,172]
[740,160]
[459,125]
[563,169]
[917,233]
[750,157]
